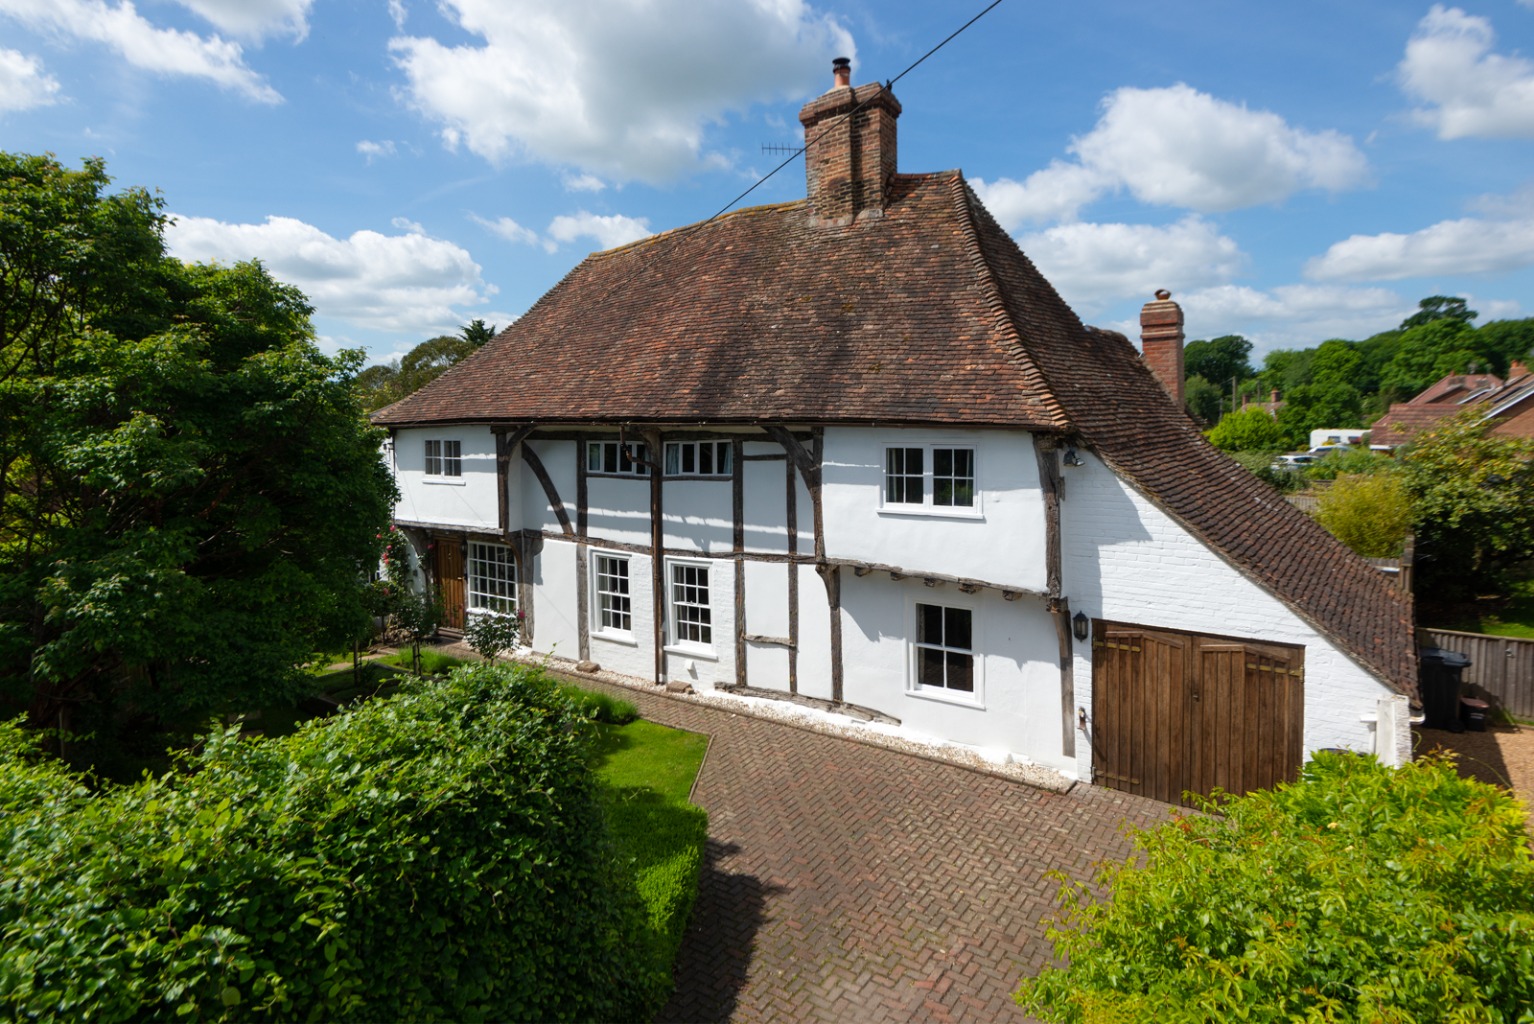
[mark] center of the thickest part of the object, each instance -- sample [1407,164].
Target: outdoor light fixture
[1072,459]
[1081,626]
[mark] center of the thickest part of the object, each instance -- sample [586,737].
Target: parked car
[1296,460]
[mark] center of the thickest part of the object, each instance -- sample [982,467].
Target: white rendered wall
[558,458]
[555,627]
[767,615]
[1125,560]
[814,661]
[634,654]
[618,510]
[1016,706]
[697,515]
[1004,543]
[765,494]
[466,501]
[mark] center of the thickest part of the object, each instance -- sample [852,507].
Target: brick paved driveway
[846,882]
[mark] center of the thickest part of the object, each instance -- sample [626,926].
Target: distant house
[1508,402]
[854,449]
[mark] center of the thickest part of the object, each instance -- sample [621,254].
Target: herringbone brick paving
[846,882]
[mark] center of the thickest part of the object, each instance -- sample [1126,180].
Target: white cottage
[855,450]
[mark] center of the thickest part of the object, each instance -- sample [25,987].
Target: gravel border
[874,734]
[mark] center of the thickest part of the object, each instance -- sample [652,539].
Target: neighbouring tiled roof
[1486,393]
[1456,387]
[928,314]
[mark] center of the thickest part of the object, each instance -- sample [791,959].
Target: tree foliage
[1473,502]
[1359,894]
[188,491]
[441,855]
[1201,399]
[1370,513]
[1248,430]
[1439,307]
[1220,360]
[385,383]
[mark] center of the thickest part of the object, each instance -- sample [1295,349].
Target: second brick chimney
[849,158]
[1161,340]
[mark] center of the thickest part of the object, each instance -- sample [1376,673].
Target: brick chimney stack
[1161,339]
[849,160]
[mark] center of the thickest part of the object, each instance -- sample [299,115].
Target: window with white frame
[945,654]
[699,458]
[492,579]
[616,458]
[444,458]
[938,477]
[614,608]
[692,619]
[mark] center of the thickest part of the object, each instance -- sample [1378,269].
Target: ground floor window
[492,579]
[614,609]
[945,655]
[692,619]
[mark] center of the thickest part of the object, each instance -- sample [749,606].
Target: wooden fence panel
[1501,667]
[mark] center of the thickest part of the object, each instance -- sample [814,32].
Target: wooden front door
[447,567]
[1178,712]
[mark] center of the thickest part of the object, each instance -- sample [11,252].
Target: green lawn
[647,771]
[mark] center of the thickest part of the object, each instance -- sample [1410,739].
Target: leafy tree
[1369,513]
[1314,406]
[1285,368]
[1201,399]
[1248,430]
[1439,307]
[1359,894]
[1473,504]
[378,385]
[1219,361]
[1507,340]
[476,333]
[188,490]
[1432,351]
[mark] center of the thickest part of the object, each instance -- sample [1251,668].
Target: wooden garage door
[1177,712]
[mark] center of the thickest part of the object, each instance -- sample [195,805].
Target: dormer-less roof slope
[928,314]
[767,314]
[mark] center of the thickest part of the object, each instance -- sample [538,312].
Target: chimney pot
[841,72]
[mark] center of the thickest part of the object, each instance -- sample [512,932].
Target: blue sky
[1292,172]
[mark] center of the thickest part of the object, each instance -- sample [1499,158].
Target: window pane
[706,459]
[942,462]
[689,453]
[942,491]
[673,459]
[929,666]
[593,457]
[956,629]
[929,624]
[961,672]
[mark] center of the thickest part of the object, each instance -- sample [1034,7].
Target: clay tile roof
[764,315]
[928,314]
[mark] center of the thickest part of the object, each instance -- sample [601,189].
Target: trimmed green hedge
[437,855]
[1359,893]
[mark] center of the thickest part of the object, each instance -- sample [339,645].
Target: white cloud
[406,224]
[584,183]
[1471,91]
[612,87]
[1092,264]
[506,228]
[609,232]
[1469,245]
[1056,193]
[23,83]
[398,13]
[1180,147]
[375,150]
[163,51]
[1291,316]
[255,19]
[407,282]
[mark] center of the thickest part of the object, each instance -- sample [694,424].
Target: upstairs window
[617,459]
[938,477]
[444,458]
[699,458]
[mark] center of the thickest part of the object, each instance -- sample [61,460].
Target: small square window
[937,477]
[444,458]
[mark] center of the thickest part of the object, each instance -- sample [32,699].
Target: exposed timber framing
[657,557]
[791,513]
[1046,451]
[582,555]
[536,465]
[856,711]
[738,549]
[506,441]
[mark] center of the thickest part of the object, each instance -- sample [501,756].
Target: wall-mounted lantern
[1081,626]
[1072,459]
